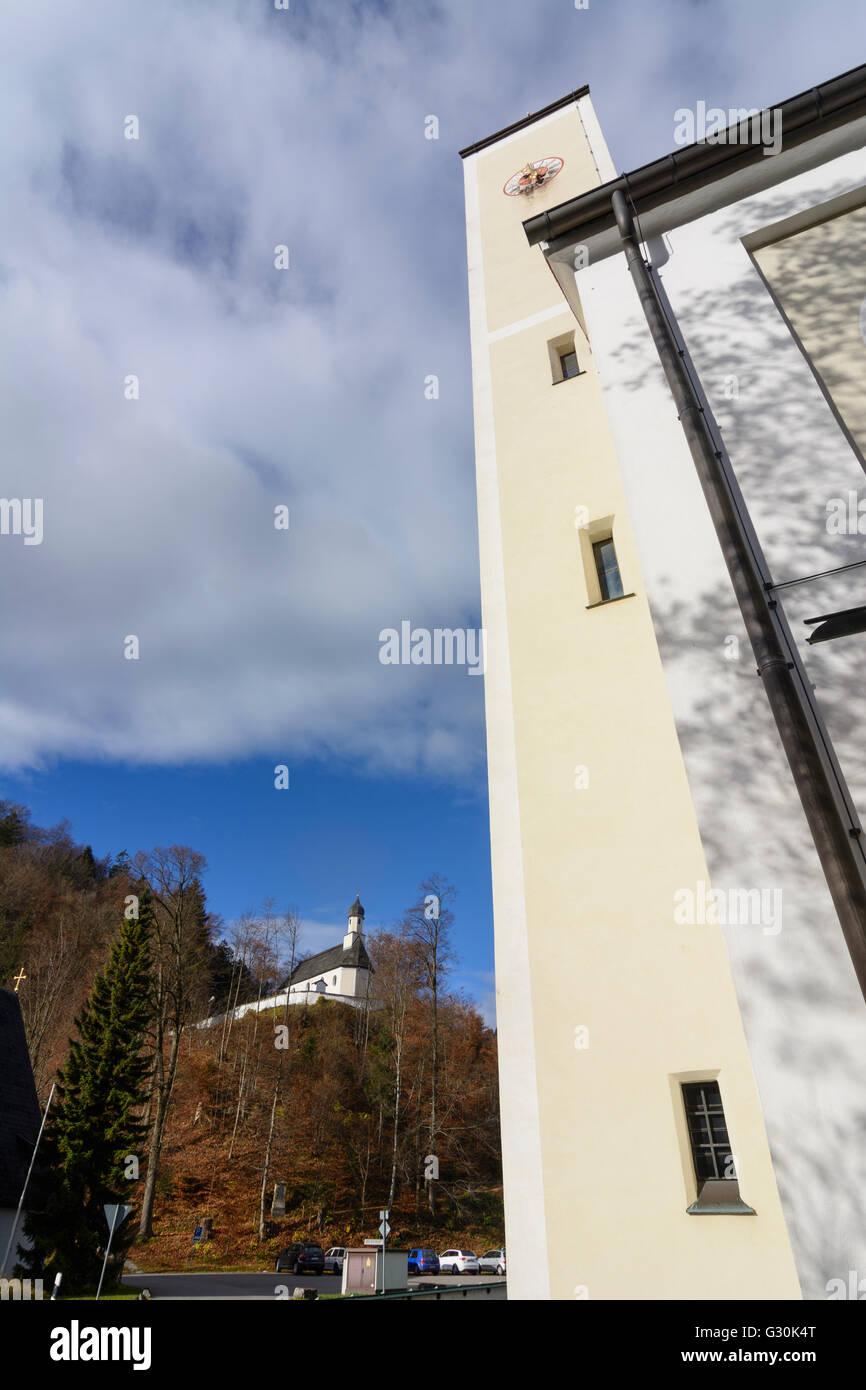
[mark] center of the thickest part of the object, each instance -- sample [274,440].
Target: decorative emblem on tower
[533,175]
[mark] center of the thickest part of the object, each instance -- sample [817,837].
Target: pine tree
[95,1127]
[13,824]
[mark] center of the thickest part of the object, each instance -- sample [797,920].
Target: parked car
[423,1261]
[492,1262]
[334,1259]
[304,1257]
[459,1262]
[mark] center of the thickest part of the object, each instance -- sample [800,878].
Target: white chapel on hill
[343,972]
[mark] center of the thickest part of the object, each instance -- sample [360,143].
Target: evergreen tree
[95,1124]
[13,824]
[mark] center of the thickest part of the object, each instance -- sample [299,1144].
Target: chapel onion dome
[356,910]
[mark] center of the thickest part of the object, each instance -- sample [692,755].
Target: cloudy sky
[257,387]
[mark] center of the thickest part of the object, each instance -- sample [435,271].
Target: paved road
[261,1286]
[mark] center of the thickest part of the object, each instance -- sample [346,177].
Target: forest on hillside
[349,1109]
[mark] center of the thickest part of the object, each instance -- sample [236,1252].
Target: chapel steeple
[356,924]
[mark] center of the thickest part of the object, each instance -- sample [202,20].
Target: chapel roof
[355,957]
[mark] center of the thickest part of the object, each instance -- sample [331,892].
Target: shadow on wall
[804,1016]
[803,1012]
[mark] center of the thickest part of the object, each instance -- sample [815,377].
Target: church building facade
[680,1024]
[343,972]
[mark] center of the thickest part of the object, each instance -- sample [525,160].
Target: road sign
[197,1235]
[383,1215]
[115,1215]
[384,1230]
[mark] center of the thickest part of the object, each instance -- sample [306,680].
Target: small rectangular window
[708,1132]
[607,569]
[562,352]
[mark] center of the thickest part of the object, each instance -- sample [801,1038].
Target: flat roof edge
[527,121]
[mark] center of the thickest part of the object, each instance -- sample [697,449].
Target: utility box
[396,1271]
[359,1270]
[362,1271]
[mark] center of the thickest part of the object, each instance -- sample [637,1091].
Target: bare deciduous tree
[181,936]
[287,937]
[397,979]
[427,925]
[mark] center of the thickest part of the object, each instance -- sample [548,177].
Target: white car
[492,1262]
[334,1259]
[459,1262]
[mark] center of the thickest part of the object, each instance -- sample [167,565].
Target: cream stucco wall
[597,1169]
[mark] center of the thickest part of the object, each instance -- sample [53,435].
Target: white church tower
[622,1054]
[356,925]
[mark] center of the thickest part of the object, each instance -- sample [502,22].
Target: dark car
[423,1261]
[304,1257]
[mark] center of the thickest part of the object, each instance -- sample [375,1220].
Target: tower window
[705,1133]
[562,352]
[568,365]
[607,569]
[708,1132]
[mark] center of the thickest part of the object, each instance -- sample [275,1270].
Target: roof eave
[690,167]
[525,122]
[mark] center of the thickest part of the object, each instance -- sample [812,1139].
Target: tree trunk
[238,1109]
[393,1189]
[434,1083]
[266,1173]
[164,1087]
[365,1172]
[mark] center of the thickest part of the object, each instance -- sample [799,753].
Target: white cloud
[318,936]
[155,258]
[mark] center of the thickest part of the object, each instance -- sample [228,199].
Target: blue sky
[302,387]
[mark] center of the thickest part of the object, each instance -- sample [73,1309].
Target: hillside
[322,1150]
[390,1103]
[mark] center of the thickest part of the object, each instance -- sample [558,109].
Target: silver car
[492,1262]
[458,1262]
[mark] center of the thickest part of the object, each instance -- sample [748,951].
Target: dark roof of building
[355,957]
[526,121]
[19,1106]
[356,910]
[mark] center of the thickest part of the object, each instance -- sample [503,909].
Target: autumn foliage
[393,1103]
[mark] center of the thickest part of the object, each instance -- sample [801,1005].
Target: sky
[166,385]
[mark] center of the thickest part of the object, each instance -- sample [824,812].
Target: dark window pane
[608,569]
[568,362]
[708,1132]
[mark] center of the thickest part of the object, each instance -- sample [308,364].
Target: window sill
[720,1197]
[560,381]
[720,1209]
[603,602]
